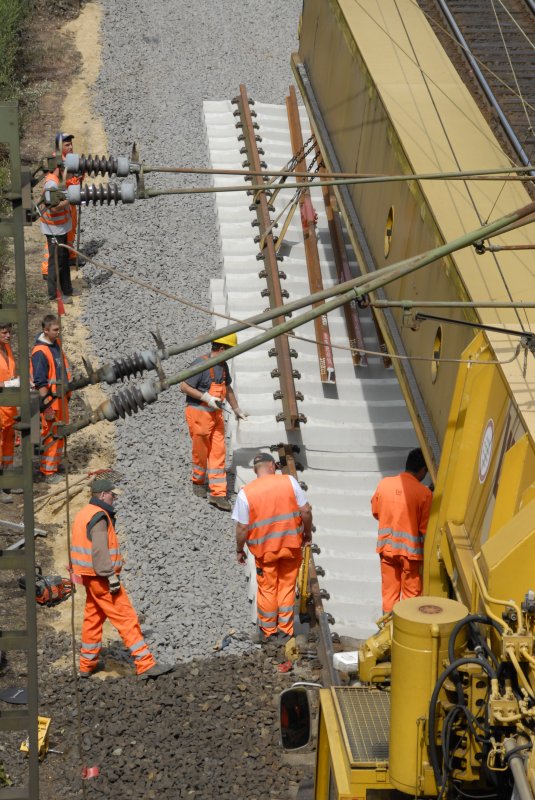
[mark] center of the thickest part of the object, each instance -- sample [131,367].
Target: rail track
[337,418]
[494,39]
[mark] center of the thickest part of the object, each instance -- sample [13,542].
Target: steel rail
[284,371]
[315,280]
[351,312]
[515,142]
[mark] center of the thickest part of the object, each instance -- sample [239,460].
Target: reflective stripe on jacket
[401,505]
[82,546]
[54,216]
[53,378]
[274,517]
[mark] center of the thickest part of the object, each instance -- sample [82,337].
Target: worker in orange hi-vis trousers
[206,394]
[8,372]
[274,519]
[402,504]
[49,370]
[96,559]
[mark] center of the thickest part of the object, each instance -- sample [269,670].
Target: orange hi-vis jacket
[275,522]
[55,216]
[8,370]
[54,378]
[82,546]
[402,504]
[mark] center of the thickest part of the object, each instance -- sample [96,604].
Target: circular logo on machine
[485,453]
[429,608]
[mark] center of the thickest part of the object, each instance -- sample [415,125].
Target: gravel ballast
[160,61]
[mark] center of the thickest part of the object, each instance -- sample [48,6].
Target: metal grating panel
[366,717]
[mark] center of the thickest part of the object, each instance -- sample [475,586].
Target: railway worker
[205,397]
[8,372]
[274,519]
[49,370]
[96,558]
[64,143]
[56,223]
[402,504]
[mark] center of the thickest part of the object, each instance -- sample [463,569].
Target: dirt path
[93,448]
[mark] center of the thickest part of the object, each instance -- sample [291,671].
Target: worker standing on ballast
[96,558]
[51,374]
[64,145]
[402,504]
[56,223]
[206,395]
[8,378]
[274,519]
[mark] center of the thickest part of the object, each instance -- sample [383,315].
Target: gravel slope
[160,61]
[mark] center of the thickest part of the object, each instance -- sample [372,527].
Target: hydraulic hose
[433,754]
[482,619]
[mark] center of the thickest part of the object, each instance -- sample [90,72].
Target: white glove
[114,584]
[210,400]
[13,383]
[240,413]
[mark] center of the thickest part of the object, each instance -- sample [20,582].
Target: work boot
[67,299]
[282,638]
[220,502]
[259,637]
[98,668]
[199,489]
[54,478]
[5,497]
[156,670]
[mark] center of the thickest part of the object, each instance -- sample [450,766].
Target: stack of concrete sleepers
[357,431]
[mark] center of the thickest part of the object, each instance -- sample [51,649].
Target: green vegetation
[13,14]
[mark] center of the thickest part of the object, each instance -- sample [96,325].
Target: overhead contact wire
[229,318]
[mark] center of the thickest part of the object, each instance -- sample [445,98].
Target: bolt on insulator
[99,195]
[100,165]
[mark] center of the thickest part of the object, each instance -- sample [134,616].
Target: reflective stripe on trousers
[208,451]
[101,605]
[275,597]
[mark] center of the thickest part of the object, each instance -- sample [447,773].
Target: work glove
[210,400]
[114,584]
[239,413]
[12,383]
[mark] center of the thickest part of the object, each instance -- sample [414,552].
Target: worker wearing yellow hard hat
[206,394]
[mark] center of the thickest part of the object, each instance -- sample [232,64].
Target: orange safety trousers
[276,576]
[51,448]
[7,438]
[401,578]
[207,431]
[117,608]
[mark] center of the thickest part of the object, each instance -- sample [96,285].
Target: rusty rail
[351,310]
[321,324]
[284,371]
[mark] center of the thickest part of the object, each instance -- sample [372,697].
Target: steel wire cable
[309,340]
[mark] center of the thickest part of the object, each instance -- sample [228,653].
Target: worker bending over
[402,504]
[96,558]
[8,372]
[206,395]
[51,374]
[274,519]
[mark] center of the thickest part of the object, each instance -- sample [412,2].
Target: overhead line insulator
[103,194]
[100,165]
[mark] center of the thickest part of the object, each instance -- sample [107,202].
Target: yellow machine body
[422,627]
[383,98]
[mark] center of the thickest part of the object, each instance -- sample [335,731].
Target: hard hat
[63,137]
[230,339]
